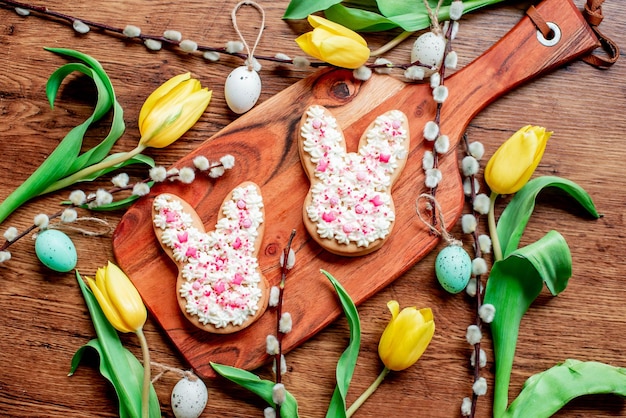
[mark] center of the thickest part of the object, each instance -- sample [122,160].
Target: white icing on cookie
[220,268]
[350,195]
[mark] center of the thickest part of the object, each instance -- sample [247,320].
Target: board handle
[523,53]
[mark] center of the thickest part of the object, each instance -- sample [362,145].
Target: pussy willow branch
[478,298]
[142,37]
[442,74]
[88,200]
[57,214]
[279,312]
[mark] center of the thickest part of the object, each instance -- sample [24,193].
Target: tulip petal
[335,28]
[106,306]
[305,42]
[160,92]
[406,337]
[181,118]
[125,298]
[515,161]
[394,308]
[334,44]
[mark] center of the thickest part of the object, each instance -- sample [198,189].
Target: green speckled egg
[453,267]
[56,250]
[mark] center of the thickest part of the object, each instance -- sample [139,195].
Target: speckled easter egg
[189,398]
[56,250]
[453,267]
[429,49]
[242,89]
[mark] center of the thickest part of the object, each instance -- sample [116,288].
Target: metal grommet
[556,35]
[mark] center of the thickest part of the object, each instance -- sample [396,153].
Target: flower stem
[81,174]
[495,241]
[391,44]
[145,392]
[361,400]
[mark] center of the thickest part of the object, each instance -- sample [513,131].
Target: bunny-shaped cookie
[220,287]
[348,209]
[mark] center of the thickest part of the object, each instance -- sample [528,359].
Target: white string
[105,227]
[443,232]
[250,53]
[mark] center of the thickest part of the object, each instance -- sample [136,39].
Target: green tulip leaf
[347,360]
[359,20]
[65,159]
[262,388]
[513,284]
[117,364]
[300,9]
[547,392]
[379,15]
[515,216]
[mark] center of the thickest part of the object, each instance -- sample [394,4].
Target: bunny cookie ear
[385,144]
[348,209]
[220,288]
[321,141]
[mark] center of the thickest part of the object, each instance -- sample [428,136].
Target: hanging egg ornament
[189,398]
[428,49]
[453,267]
[242,89]
[56,250]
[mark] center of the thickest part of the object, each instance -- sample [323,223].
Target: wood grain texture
[44,319]
[277,169]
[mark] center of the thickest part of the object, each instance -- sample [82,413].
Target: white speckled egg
[428,49]
[56,250]
[189,398]
[242,89]
[453,267]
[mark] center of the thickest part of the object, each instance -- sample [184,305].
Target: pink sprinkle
[238,279]
[246,223]
[396,124]
[348,228]
[237,243]
[333,200]
[328,216]
[322,165]
[183,237]
[196,285]
[384,158]
[241,204]
[219,287]
[170,217]
[376,200]
[358,209]
[191,252]
[361,175]
[316,123]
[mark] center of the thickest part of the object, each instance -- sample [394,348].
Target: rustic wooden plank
[44,319]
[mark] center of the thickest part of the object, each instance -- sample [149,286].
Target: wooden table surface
[44,319]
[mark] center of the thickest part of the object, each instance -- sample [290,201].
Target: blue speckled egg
[453,267]
[56,250]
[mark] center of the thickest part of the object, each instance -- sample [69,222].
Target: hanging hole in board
[553,37]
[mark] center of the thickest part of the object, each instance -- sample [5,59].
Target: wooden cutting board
[264,143]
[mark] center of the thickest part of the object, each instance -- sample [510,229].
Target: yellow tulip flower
[406,336]
[118,298]
[334,44]
[171,110]
[512,165]
[403,342]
